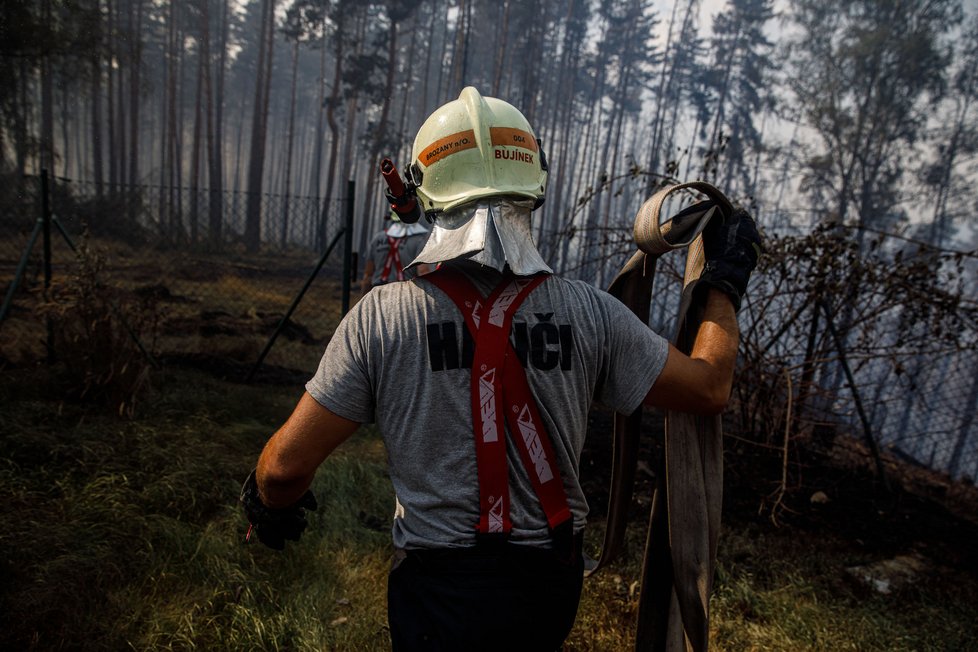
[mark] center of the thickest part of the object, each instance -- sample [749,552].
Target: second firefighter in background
[391,251]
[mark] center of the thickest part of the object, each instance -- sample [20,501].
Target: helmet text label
[447,146]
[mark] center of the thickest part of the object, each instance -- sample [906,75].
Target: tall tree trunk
[215,146]
[195,157]
[256,160]
[112,117]
[236,179]
[65,127]
[180,103]
[660,105]
[96,91]
[670,89]
[713,146]
[582,158]
[500,59]
[423,95]
[329,201]
[380,138]
[177,226]
[80,145]
[617,126]
[599,176]
[940,221]
[442,67]
[553,82]
[460,50]
[288,154]
[47,153]
[120,100]
[80,137]
[22,112]
[350,131]
[531,73]
[317,164]
[403,150]
[445,49]
[165,174]
[135,72]
[214,221]
[560,132]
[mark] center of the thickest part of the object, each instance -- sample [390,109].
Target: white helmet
[473,148]
[397,228]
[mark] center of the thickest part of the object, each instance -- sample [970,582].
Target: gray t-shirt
[408,249]
[402,358]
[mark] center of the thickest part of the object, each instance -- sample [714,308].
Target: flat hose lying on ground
[680,551]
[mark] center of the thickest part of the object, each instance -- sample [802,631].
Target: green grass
[126,534]
[777,591]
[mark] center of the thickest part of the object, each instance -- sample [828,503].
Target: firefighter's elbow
[716,399]
[715,407]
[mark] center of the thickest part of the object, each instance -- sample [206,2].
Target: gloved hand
[274,526]
[731,246]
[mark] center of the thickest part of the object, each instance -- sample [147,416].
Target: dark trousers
[510,598]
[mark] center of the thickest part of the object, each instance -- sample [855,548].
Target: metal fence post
[46,243]
[348,244]
[21,268]
[850,379]
[295,304]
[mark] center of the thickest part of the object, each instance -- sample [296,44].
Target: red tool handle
[392,177]
[403,202]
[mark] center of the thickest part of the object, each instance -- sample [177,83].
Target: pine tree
[739,83]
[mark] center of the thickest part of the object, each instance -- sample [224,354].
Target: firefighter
[391,251]
[480,376]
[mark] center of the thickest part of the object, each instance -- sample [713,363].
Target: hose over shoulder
[656,238]
[684,524]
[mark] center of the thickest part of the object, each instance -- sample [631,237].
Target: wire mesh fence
[874,341]
[181,255]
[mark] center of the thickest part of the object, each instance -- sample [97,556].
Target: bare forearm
[700,383]
[289,460]
[277,490]
[717,341]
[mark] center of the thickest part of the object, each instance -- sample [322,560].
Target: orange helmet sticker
[507,136]
[447,146]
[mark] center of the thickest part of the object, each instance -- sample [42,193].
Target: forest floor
[124,533]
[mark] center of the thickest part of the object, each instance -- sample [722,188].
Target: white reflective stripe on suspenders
[500,390]
[393,256]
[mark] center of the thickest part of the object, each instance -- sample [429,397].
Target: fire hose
[684,525]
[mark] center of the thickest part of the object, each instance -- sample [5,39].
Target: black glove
[731,246]
[274,526]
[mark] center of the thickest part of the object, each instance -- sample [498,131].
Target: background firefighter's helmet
[477,147]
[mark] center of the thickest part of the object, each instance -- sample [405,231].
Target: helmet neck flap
[492,232]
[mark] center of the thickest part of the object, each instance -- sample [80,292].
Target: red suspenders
[500,390]
[393,256]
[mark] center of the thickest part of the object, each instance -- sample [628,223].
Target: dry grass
[204,305]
